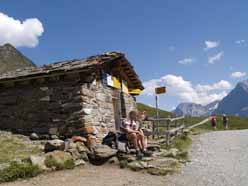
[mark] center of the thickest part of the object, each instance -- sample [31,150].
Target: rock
[137,165]
[39,161]
[153,147]
[54,145]
[160,171]
[45,137]
[77,150]
[79,162]
[89,130]
[147,158]
[174,152]
[113,161]
[186,132]
[78,139]
[91,142]
[169,153]
[34,136]
[59,160]
[163,166]
[4,166]
[75,154]
[164,163]
[126,157]
[104,152]
[53,137]
[81,147]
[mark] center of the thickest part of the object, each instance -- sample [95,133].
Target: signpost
[158,90]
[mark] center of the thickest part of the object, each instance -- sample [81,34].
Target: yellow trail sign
[160,90]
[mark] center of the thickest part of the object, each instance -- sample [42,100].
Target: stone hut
[69,97]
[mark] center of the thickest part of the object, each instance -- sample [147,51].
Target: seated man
[135,135]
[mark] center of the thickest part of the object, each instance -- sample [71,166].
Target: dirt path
[218,159]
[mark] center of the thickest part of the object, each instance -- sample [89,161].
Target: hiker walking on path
[225,121]
[213,121]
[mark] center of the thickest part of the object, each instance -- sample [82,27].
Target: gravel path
[218,159]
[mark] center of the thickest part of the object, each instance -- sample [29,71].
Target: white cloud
[238,74]
[215,58]
[185,91]
[239,42]
[221,85]
[20,33]
[211,44]
[186,61]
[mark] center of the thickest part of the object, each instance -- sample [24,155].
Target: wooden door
[117,112]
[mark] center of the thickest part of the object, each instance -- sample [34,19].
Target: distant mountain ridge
[195,110]
[11,59]
[236,102]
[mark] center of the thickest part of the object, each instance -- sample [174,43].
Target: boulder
[154,147]
[101,154]
[174,152]
[77,150]
[59,160]
[53,137]
[113,161]
[104,152]
[38,160]
[126,157]
[163,166]
[160,171]
[78,139]
[54,145]
[34,136]
[164,162]
[137,165]
[81,147]
[79,162]
[91,142]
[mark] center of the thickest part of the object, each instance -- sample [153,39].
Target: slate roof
[64,67]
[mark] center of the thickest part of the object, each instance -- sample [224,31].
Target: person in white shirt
[134,133]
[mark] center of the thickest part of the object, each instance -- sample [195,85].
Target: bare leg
[134,139]
[141,140]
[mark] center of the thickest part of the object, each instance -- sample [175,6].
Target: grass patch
[52,163]
[182,143]
[12,148]
[151,111]
[18,170]
[234,123]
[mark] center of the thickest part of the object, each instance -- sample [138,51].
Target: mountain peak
[243,85]
[236,102]
[11,59]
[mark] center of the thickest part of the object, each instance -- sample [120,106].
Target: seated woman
[135,135]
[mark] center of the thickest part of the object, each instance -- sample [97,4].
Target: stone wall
[98,106]
[64,107]
[41,108]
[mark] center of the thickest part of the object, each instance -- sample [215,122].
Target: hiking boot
[147,153]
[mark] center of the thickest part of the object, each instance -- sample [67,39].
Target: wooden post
[157,116]
[153,129]
[168,133]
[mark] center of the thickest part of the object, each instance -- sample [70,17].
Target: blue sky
[165,40]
